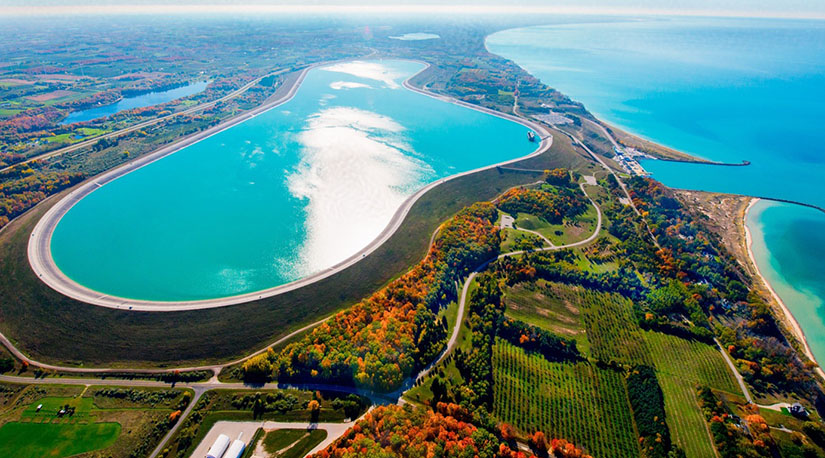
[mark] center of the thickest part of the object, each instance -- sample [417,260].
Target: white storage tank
[219,447]
[235,450]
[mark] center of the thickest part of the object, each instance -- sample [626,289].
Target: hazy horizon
[800,9]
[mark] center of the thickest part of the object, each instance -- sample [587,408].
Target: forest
[380,341]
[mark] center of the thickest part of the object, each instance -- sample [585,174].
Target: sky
[769,8]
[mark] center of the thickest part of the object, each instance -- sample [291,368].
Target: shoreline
[796,329]
[39,247]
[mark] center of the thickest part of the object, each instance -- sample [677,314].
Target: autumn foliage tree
[407,432]
[552,204]
[383,339]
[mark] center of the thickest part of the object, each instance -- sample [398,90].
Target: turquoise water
[416,36]
[798,230]
[140,101]
[723,89]
[287,193]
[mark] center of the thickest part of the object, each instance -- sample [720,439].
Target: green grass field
[117,421]
[578,402]
[41,321]
[52,405]
[279,439]
[303,446]
[561,234]
[38,440]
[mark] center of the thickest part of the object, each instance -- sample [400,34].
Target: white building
[219,447]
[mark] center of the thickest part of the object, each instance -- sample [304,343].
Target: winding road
[201,387]
[41,248]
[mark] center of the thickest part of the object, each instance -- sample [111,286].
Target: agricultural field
[611,327]
[682,366]
[602,324]
[692,361]
[100,421]
[687,424]
[550,306]
[578,402]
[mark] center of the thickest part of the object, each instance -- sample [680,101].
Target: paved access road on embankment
[201,387]
[39,249]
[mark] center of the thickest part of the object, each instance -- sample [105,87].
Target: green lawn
[279,439]
[52,405]
[561,234]
[304,445]
[511,238]
[38,440]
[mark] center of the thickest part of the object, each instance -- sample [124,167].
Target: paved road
[215,368]
[736,373]
[201,387]
[377,398]
[615,175]
[248,428]
[144,124]
[545,239]
[39,249]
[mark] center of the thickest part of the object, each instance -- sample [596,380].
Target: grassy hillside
[53,328]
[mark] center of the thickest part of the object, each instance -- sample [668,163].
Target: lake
[722,89]
[290,192]
[139,101]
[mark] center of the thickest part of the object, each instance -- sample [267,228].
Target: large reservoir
[290,192]
[722,89]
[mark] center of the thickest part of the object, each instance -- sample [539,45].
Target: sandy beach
[796,329]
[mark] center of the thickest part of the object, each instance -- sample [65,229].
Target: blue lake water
[416,36]
[287,193]
[140,101]
[722,89]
